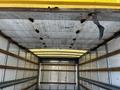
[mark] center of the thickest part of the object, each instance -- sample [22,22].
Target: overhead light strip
[57,56]
[58,53]
[58,50]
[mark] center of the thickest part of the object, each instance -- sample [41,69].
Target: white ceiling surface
[56,33]
[57,28]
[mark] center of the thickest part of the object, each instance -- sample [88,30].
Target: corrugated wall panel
[103,65]
[57,77]
[16,65]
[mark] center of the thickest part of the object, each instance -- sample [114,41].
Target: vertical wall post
[77,74]
[108,65]
[38,76]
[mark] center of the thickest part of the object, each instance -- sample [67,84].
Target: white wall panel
[70,77]
[22,53]
[61,87]
[3,43]
[109,77]
[94,76]
[87,57]
[93,54]
[103,77]
[114,61]
[45,76]
[88,66]
[53,86]
[10,75]
[102,89]
[114,45]
[44,87]
[18,87]
[9,88]
[94,65]
[102,63]
[21,63]
[58,76]
[95,87]
[115,76]
[62,77]
[12,61]
[15,74]
[2,59]
[32,57]
[62,67]
[88,75]
[35,73]
[20,74]
[13,48]
[1,74]
[54,76]
[101,51]
[70,67]
[32,88]
[70,87]
[28,56]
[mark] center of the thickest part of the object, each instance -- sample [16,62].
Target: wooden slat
[84,87]
[30,86]
[17,68]
[58,70]
[57,83]
[57,64]
[101,69]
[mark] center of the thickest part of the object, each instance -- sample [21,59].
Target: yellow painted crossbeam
[58,52]
[101,4]
[59,56]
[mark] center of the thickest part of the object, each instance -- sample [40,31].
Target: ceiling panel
[56,29]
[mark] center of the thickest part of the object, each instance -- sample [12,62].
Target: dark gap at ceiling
[43,43]
[37,31]
[31,20]
[41,38]
[74,39]
[78,31]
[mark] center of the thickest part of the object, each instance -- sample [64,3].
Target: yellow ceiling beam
[58,50]
[64,56]
[58,54]
[108,4]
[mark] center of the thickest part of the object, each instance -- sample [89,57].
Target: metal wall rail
[84,87]
[16,56]
[17,68]
[55,64]
[102,57]
[57,83]
[100,84]
[14,82]
[59,70]
[101,69]
[30,86]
